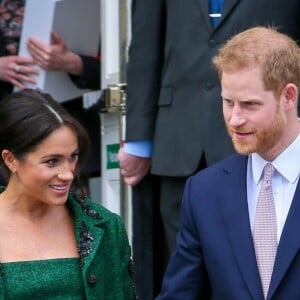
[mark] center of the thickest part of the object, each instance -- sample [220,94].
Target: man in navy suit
[173,104]
[215,256]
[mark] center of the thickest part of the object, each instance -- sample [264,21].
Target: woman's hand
[17,70]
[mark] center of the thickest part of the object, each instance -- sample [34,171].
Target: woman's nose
[66,174]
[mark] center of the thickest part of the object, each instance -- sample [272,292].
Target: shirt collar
[287,163]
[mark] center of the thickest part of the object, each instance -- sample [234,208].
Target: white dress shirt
[284,182]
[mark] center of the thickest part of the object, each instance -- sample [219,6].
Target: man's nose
[237,117]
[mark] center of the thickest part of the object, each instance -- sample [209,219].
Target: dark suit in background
[174,99]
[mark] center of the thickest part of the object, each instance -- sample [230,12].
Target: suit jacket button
[209,86]
[92,280]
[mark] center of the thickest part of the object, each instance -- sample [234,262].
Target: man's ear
[290,96]
[9,160]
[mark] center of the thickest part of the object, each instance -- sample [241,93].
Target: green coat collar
[104,251]
[89,222]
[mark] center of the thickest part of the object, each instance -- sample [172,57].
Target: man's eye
[228,102]
[250,103]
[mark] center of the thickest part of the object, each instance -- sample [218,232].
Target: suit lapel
[229,5]
[289,243]
[236,219]
[203,5]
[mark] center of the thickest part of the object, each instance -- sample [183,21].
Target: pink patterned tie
[265,229]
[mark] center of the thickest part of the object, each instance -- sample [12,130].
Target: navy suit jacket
[214,256]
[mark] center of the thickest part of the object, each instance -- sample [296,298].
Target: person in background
[238,234]
[174,122]
[84,71]
[16,70]
[44,225]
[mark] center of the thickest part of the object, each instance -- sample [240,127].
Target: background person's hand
[17,70]
[55,56]
[133,168]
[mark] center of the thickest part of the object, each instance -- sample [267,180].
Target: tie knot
[268,172]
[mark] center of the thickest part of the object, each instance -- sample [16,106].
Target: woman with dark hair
[54,244]
[16,70]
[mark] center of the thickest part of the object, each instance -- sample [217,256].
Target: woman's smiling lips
[60,189]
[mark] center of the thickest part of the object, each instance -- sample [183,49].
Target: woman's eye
[52,162]
[73,157]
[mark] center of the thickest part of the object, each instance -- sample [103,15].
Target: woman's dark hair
[28,117]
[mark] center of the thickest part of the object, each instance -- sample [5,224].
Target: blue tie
[215,11]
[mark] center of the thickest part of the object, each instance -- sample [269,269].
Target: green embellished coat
[104,252]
